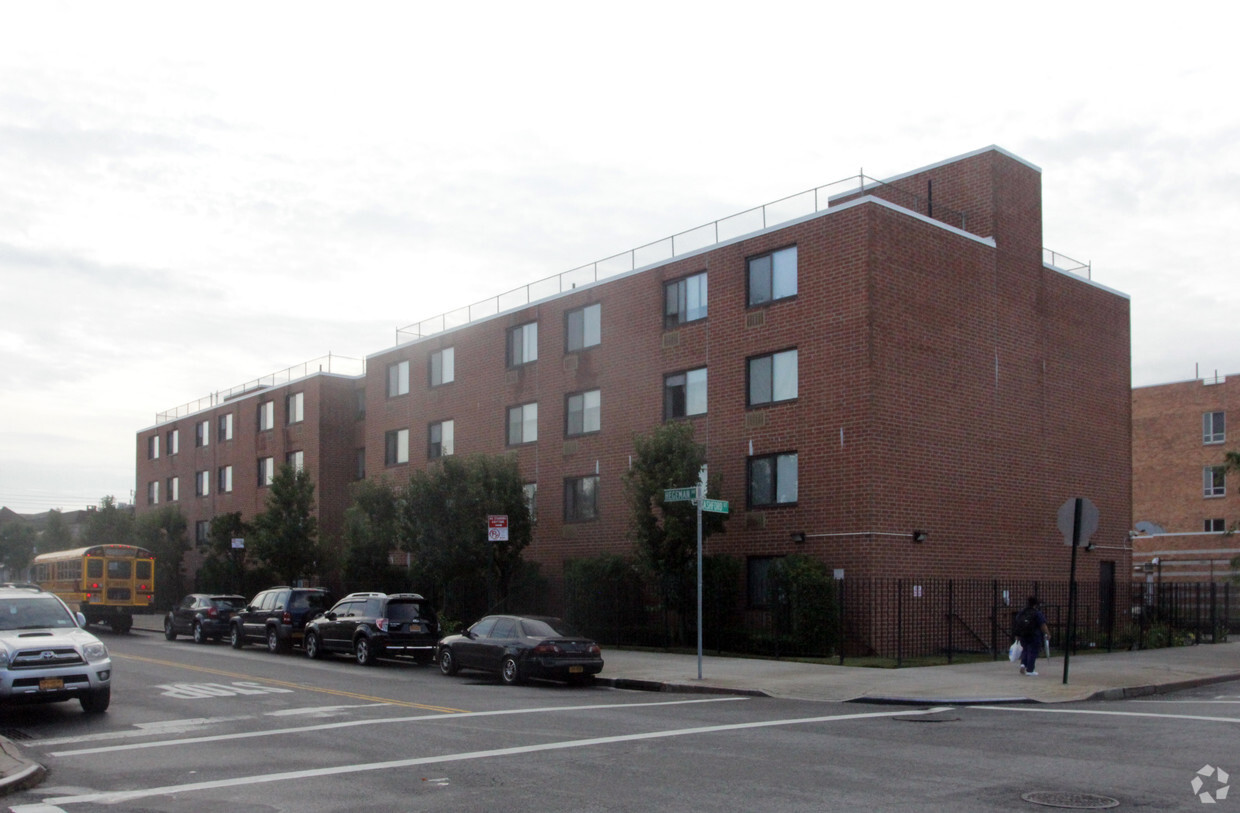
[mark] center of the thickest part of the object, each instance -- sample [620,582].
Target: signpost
[1078,520]
[697,495]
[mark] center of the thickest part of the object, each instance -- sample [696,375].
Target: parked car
[521,647]
[204,616]
[46,656]
[277,617]
[367,625]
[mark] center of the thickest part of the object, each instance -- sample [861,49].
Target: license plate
[51,684]
[573,670]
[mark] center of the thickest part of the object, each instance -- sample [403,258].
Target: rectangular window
[296,460]
[773,276]
[202,433]
[294,407]
[396,447]
[773,378]
[152,492]
[202,483]
[225,430]
[773,480]
[523,344]
[152,447]
[758,589]
[522,424]
[359,403]
[266,415]
[1215,526]
[174,441]
[583,328]
[266,471]
[174,489]
[443,366]
[684,394]
[360,471]
[398,379]
[684,300]
[439,441]
[1214,480]
[581,498]
[583,413]
[1213,428]
[530,490]
[202,531]
[224,479]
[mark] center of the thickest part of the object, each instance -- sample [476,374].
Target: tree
[17,542]
[55,534]
[164,533]
[286,533]
[665,534]
[109,525]
[371,533]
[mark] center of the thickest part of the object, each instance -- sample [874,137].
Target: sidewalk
[1090,677]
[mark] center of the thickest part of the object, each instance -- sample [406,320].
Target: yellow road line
[288,684]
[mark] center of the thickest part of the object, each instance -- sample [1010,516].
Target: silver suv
[46,656]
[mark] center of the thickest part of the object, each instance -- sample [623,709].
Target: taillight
[382,624]
[594,650]
[287,618]
[213,613]
[548,648]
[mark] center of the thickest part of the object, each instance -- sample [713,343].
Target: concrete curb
[17,772]
[684,688]
[1125,692]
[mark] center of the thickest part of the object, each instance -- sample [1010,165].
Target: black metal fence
[908,620]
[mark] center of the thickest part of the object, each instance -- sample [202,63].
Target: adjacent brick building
[898,358]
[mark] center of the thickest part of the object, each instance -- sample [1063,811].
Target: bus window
[120,568]
[144,569]
[94,568]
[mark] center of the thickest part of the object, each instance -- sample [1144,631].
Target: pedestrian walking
[1031,630]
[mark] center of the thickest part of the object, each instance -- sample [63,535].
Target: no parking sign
[497,527]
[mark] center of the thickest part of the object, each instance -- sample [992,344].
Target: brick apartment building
[900,357]
[1183,500]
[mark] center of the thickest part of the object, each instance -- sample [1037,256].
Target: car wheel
[273,641]
[235,638]
[509,671]
[365,652]
[119,625]
[199,637]
[447,663]
[169,632]
[96,700]
[313,650]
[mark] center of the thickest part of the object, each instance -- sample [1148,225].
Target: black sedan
[521,647]
[202,615]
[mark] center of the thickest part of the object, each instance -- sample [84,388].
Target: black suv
[278,616]
[367,625]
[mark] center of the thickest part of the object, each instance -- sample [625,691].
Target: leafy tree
[109,525]
[665,534]
[164,533]
[371,533]
[55,534]
[801,591]
[223,570]
[286,533]
[17,543]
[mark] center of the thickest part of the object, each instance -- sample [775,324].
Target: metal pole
[1076,539]
[701,493]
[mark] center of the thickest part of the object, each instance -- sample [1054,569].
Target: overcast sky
[196,195]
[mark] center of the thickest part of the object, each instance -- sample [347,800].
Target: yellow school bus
[106,583]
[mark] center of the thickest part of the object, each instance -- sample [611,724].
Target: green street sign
[715,506]
[679,494]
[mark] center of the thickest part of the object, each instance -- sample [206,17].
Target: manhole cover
[1075,801]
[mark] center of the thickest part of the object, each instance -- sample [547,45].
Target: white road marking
[163,728]
[245,735]
[117,797]
[1198,717]
[321,711]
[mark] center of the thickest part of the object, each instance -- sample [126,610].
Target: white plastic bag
[1015,651]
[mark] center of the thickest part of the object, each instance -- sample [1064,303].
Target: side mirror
[329,616]
[81,620]
[470,634]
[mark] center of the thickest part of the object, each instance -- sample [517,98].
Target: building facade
[897,382]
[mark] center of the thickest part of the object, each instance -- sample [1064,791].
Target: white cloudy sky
[195,195]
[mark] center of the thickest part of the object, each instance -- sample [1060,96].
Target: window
[296,460]
[174,489]
[523,344]
[152,492]
[225,430]
[1214,480]
[522,424]
[202,483]
[443,366]
[266,471]
[583,413]
[294,407]
[530,490]
[684,394]
[359,472]
[202,433]
[202,531]
[773,276]
[174,441]
[773,378]
[396,447]
[1215,526]
[581,498]
[359,403]
[757,584]
[583,328]
[266,415]
[1213,428]
[439,442]
[224,479]
[398,379]
[773,480]
[152,447]
[684,300]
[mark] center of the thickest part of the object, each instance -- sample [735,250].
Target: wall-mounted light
[919,536]
[798,537]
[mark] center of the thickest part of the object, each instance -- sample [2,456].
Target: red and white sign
[497,527]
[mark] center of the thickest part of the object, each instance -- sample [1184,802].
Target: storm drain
[1074,801]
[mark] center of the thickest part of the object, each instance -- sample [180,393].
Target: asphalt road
[203,728]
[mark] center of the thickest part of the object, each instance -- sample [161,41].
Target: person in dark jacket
[1031,640]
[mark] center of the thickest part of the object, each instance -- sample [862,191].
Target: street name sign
[715,506]
[679,494]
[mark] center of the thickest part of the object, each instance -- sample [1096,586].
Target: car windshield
[312,601]
[33,613]
[409,611]
[547,628]
[228,602]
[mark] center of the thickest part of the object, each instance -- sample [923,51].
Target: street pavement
[1095,676]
